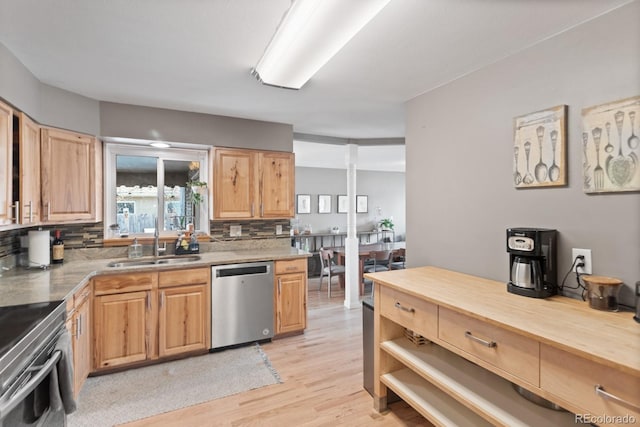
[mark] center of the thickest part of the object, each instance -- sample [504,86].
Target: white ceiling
[196,55]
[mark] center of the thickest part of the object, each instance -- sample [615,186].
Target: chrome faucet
[156,242]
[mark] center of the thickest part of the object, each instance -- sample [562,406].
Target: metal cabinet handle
[600,392]
[30,206]
[161,298]
[261,209]
[78,326]
[403,308]
[16,212]
[252,209]
[148,298]
[490,344]
[279,285]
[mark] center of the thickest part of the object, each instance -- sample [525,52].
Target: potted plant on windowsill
[198,190]
[386,224]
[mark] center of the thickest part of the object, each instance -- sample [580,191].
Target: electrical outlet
[235,230]
[586,253]
[279,229]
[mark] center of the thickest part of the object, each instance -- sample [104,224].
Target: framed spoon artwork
[611,146]
[539,148]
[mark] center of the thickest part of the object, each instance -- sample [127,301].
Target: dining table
[364,252]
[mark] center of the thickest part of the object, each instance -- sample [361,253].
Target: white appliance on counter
[241,303]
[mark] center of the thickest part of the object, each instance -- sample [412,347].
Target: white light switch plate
[278,229]
[235,230]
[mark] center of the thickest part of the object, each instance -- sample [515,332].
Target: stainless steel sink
[177,259]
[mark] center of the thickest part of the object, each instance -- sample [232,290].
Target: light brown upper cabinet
[71,176]
[6,164]
[253,184]
[29,160]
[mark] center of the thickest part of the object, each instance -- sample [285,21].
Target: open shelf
[487,394]
[435,405]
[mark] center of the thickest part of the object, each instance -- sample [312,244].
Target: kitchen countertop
[27,285]
[610,338]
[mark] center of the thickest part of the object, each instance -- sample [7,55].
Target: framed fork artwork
[539,150]
[611,146]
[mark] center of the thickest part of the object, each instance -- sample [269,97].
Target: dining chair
[378,260]
[329,268]
[397,259]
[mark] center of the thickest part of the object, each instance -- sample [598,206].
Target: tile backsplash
[91,235]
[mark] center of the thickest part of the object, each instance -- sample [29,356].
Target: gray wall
[56,107]
[131,121]
[45,104]
[460,194]
[384,189]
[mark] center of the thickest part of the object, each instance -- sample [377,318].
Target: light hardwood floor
[322,379]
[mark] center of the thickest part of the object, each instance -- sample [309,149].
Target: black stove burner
[17,320]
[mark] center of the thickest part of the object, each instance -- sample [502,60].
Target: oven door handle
[23,392]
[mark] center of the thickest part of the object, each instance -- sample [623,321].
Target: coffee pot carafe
[526,273]
[532,262]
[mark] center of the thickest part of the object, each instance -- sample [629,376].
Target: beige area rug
[118,398]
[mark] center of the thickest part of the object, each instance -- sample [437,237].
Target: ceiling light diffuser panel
[311,32]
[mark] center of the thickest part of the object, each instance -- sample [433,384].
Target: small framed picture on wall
[362,204]
[324,203]
[303,203]
[343,203]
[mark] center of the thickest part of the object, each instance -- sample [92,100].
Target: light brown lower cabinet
[79,325]
[184,320]
[146,316]
[290,296]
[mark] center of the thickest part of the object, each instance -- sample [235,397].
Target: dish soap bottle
[135,249]
[57,249]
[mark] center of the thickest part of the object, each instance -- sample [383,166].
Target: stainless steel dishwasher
[241,303]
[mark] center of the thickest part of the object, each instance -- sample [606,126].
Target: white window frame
[113,147]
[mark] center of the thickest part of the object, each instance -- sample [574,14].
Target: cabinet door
[291,302]
[71,186]
[277,184]
[6,164]
[184,317]
[233,185]
[30,198]
[122,328]
[82,345]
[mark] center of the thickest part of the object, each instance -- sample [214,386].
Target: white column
[352,273]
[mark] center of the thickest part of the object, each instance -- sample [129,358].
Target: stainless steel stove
[28,335]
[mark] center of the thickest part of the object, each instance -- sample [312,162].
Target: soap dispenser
[135,249]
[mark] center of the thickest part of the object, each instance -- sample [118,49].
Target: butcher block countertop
[24,286]
[612,339]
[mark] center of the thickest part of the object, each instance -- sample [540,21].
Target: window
[145,184]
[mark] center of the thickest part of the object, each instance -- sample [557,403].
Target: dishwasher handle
[240,270]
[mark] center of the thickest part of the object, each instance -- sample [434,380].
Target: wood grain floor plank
[322,380]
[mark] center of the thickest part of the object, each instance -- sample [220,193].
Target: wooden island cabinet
[477,342]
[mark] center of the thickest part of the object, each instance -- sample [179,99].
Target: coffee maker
[532,262]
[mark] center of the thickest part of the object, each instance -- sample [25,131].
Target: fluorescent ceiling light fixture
[160,145]
[311,32]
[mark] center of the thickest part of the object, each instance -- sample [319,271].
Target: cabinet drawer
[506,350]
[195,276]
[574,379]
[105,285]
[82,295]
[413,313]
[291,266]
